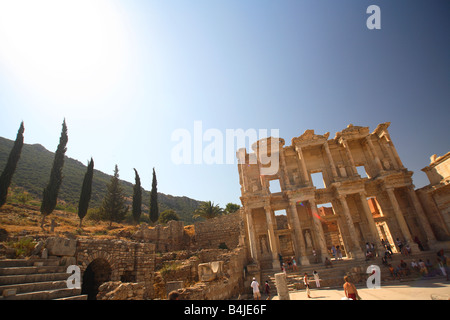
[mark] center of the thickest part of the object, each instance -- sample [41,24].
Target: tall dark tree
[113,205]
[11,164]
[154,210]
[86,191]
[137,198]
[50,195]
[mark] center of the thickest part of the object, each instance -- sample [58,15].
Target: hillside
[33,171]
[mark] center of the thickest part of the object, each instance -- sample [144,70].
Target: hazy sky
[127,74]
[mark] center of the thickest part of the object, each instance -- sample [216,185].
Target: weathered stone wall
[169,238]
[228,285]
[129,261]
[209,234]
[227,229]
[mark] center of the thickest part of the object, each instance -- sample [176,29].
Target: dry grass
[19,220]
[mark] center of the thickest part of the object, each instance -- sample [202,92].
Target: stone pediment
[352,132]
[310,138]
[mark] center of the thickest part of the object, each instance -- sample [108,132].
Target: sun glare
[62,50]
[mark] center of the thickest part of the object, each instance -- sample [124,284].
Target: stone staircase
[333,277]
[37,279]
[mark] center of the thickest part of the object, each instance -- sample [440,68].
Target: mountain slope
[33,172]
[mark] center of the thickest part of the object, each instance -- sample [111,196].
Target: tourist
[333,249]
[294,264]
[255,287]
[289,264]
[405,269]
[328,263]
[442,268]
[384,260]
[399,245]
[430,268]
[350,289]
[416,240]
[415,265]
[422,268]
[315,255]
[280,257]
[267,289]
[316,277]
[339,253]
[405,251]
[306,283]
[388,248]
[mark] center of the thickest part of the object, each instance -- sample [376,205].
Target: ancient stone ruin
[367,196]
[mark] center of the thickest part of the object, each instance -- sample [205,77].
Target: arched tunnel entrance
[96,273]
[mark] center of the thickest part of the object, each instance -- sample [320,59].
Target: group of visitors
[289,264]
[336,252]
[370,251]
[256,291]
[423,268]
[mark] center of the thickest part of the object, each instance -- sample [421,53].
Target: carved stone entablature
[301,194]
[352,133]
[348,187]
[309,138]
[396,180]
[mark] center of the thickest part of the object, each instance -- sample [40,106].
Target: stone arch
[96,273]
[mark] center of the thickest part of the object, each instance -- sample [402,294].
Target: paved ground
[414,290]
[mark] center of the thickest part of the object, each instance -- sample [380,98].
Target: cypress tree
[113,206]
[50,195]
[137,198]
[154,211]
[86,191]
[11,164]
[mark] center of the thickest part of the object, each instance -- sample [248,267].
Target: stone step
[8,271]
[27,278]
[333,277]
[35,286]
[78,297]
[8,263]
[45,295]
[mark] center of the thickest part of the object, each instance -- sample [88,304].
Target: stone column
[350,158]
[251,234]
[330,159]
[272,239]
[354,236]
[387,150]
[394,151]
[374,153]
[431,239]
[374,236]
[299,241]
[284,174]
[282,288]
[401,219]
[318,230]
[303,164]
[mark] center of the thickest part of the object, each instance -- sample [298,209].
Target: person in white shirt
[255,287]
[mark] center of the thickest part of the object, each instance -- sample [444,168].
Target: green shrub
[23,247]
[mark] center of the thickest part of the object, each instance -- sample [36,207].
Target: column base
[304,261]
